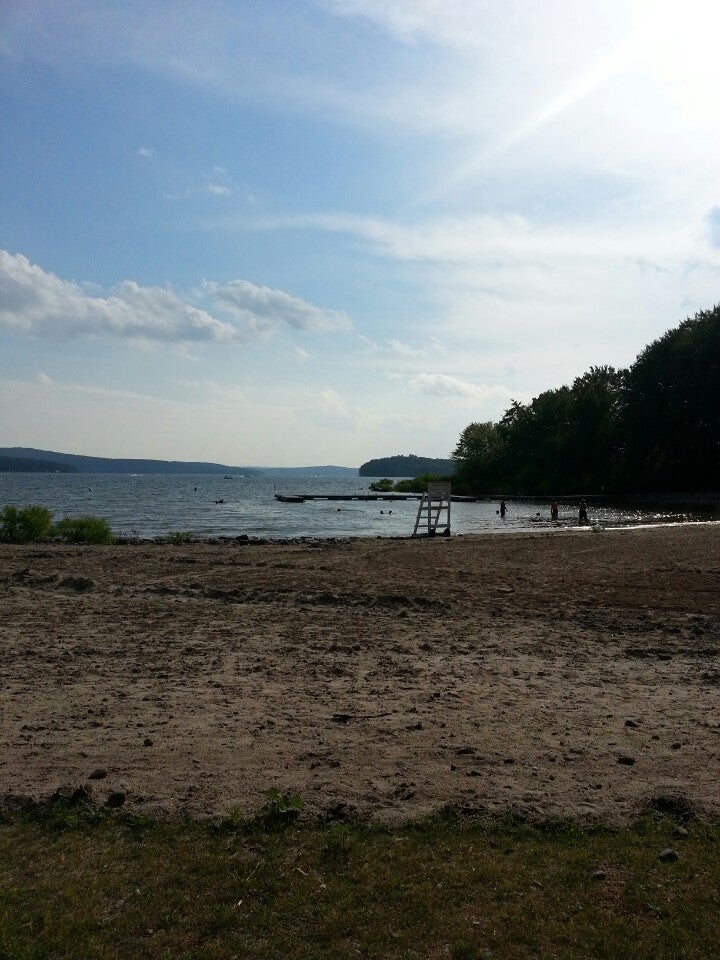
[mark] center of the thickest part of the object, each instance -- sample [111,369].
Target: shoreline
[381,678]
[541,528]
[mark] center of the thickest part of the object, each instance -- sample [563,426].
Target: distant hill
[407,466]
[83,464]
[72,462]
[32,465]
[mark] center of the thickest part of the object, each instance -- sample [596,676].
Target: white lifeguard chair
[434,511]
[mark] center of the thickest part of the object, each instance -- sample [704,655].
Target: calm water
[156,504]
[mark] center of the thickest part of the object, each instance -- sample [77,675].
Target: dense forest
[32,465]
[406,466]
[653,427]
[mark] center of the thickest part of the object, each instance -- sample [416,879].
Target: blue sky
[320,231]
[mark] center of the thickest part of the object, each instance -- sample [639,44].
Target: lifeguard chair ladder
[434,511]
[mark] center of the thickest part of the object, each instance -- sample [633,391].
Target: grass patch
[179,537]
[78,884]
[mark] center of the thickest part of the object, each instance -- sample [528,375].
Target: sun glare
[679,43]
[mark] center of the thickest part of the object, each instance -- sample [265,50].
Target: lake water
[153,505]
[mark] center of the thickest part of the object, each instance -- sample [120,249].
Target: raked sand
[552,673]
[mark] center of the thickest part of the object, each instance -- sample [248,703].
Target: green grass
[75,884]
[179,537]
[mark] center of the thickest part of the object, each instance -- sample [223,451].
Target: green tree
[594,445]
[24,526]
[564,441]
[478,456]
[653,427]
[671,428]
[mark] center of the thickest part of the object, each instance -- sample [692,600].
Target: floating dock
[301,497]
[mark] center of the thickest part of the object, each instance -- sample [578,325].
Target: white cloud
[159,314]
[301,354]
[499,237]
[404,349]
[36,303]
[484,272]
[458,24]
[263,309]
[400,350]
[713,222]
[177,197]
[148,153]
[330,411]
[443,385]
[43,378]
[433,347]
[331,401]
[551,298]
[197,384]
[214,184]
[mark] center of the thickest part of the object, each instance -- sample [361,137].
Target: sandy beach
[572,674]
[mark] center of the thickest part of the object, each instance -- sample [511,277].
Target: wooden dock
[300,497]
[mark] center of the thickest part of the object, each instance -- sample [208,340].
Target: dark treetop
[652,428]
[406,466]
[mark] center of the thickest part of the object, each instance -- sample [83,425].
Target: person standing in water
[554,510]
[503,509]
[583,517]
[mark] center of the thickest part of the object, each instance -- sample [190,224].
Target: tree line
[405,466]
[31,465]
[650,428]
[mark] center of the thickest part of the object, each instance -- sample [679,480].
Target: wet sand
[571,674]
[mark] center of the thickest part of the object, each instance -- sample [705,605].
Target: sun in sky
[320,231]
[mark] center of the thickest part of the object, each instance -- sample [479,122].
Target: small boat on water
[289,498]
